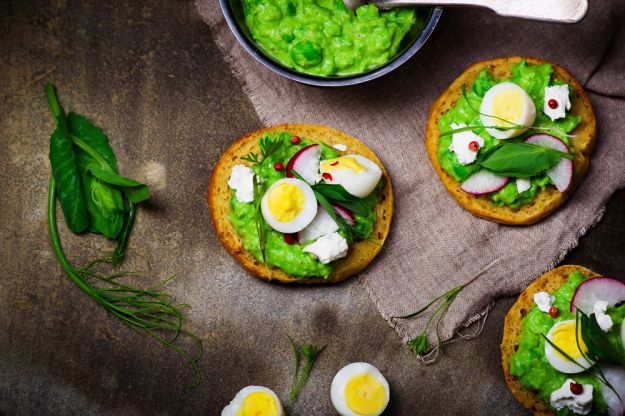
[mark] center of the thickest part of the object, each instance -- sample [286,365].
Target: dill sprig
[149,311]
[420,344]
[250,157]
[267,146]
[259,190]
[309,353]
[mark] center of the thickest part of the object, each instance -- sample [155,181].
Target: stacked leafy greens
[268,245]
[94,197]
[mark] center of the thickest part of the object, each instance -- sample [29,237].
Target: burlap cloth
[435,244]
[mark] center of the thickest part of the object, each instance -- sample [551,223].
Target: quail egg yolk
[258,404]
[564,337]
[344,162]
[365,395]
[508,105]
[285,202]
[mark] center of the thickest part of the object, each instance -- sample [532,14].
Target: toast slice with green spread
[511,205]
[221,203]
[548,282]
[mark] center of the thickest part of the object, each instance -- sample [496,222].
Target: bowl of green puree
[321,42]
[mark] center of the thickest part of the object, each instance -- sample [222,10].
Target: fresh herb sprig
[420,344]
[268,146]
[251,157]
[259,190]
[309,354]
[95,198]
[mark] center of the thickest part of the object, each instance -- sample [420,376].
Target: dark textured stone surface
[152,78]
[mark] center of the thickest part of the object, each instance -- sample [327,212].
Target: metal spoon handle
[562,11]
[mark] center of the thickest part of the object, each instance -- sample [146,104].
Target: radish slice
[345,213]
[561,174]
[615,375]
[306,163]
[484,182]
[547,140]
[597,288]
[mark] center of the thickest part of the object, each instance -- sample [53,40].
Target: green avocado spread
[323,37]
[278,253]
[533,79]
[529,364]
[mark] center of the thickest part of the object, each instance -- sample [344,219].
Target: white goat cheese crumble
[460,144]
[242,181]
[544,301]
[559,93]
[328,248]
[604,320]
[580,404]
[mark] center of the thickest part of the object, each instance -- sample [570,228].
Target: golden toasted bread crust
[360,253]
[548,282]
[546,201]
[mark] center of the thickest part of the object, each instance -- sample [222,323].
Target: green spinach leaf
[105,206]
[80,127]
[522,160]
[135,191]
[69,189]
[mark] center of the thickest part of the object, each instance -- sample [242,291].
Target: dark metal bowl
[412,42]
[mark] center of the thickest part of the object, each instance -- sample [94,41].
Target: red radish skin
[547,140]
[345,213]
[306,163]
[561,174]
[598,288]
[484,182]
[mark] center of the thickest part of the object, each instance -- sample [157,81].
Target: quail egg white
[254,401]
[358,175]
[359,389]
[507,105]
[289,205]
[562,334]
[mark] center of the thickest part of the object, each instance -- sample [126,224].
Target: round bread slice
[546,201]
[219,194]
[548,282]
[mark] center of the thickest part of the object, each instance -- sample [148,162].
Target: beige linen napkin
[435,244]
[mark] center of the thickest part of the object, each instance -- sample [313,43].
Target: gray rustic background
[150,75]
